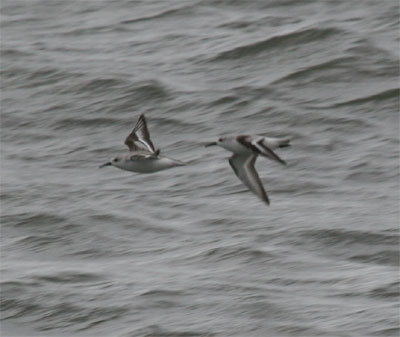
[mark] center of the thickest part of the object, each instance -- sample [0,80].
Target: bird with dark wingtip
[245,152]
[142,156]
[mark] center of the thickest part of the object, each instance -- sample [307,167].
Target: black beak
[106,164]
[210,144]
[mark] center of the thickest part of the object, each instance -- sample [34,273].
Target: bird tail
[179,162]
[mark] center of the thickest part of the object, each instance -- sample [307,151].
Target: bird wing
[264,150]
[243,166]
[139,138]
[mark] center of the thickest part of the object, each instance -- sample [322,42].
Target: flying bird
[245,150]
[143,157]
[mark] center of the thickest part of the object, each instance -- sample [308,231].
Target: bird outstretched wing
[243,166]
[139,138]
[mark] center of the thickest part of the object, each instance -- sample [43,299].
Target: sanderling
[142,156]
[245,152]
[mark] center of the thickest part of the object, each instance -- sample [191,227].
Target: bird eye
[115,159]
[220,140]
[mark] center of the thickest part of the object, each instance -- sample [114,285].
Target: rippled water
[189,251]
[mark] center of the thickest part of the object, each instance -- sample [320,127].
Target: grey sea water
[190,251]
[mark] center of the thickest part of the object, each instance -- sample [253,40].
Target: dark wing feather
[139,138]
[267,152]
[260,148]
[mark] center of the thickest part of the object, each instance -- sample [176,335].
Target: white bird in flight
[142,156]
[245,152]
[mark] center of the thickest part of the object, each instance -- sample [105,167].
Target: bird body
[144,162]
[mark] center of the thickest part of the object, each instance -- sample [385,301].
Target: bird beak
[106,164]
[210,144]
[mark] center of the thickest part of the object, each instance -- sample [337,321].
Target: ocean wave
[345,63]
[159,331]
[28,302]
[98,85]
[41,242]
[13,308]
[328,123]
[138,94]
[257,4]
[100,29]
[382,257]
[272,21]
[366,247]
[69,277]
[85,123]
[11,52]
[25,78]
[375,175]
[351,237]
[388,94]
[302,187]
[388,291]
[162,292]
[148,89]
[170,13]
[223,253]
[28,219]
[278,41]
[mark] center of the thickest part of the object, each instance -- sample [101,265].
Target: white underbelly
[148,165]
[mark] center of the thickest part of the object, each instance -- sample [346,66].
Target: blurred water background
[190,251]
